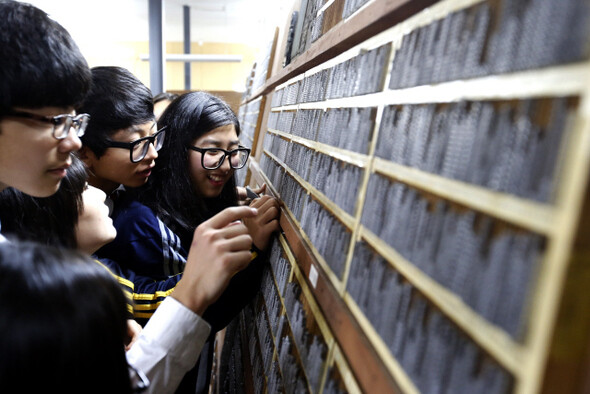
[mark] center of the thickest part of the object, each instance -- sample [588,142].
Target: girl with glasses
[193,180]
[76,217]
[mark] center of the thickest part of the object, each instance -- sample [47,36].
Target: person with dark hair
[73,342]
[76,217]
[191,182]
[43,77]
[121,142]
[162,101]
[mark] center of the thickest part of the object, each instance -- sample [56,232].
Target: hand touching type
[220,248]
[265,223]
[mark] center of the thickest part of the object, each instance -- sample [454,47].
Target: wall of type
[431,158]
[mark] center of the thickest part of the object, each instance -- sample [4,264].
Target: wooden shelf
[497,343]
[354,158]
[527,214]
[340,214]
[558,81]
[373,19]
[371,375]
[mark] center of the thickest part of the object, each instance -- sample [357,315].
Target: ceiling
[243,21]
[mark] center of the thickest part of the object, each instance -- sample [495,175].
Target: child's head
[64,323]
[121,109]
[74,217]
[40,65]
[162,101]
[43,76]
[179,183]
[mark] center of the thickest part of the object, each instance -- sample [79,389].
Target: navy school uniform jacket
[147,247]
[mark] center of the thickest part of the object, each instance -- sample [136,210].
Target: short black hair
[165,96]
[40,64]
[117,100]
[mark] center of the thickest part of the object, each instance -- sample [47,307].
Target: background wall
[115,33]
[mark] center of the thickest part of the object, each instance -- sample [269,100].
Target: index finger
[230,215]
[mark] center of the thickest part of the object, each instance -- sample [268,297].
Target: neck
[105,185]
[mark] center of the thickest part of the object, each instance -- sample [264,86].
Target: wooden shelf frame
[376,17]
[344,217]
[356,159]
[527,214]
[490,338]
[526,361]
[556,81]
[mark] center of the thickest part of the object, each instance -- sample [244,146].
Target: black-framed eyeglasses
[61,123]
[138,149]
[213,158]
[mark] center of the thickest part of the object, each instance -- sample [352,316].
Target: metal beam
[187,45]
[156,43]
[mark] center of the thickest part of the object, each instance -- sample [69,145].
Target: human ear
[87,156]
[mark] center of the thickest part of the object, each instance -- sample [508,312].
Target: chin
[40,192]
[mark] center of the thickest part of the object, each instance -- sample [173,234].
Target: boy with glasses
[121,142]
[43,77]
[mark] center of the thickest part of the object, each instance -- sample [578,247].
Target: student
[43,77]
[121,142]
[73,341]
[192,181]
[76,217]
[162,101]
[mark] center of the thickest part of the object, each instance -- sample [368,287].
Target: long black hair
[169,191]
[51,220]
[63,323]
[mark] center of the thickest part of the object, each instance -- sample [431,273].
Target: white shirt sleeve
[169,345]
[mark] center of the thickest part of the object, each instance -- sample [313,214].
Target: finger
[233,230]
[242,194]
[239,243]
[239,260]
[274,225]
[260,190]
[268,215]
[229,215]
[259,202]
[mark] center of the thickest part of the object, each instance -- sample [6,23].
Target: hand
[265,223]
[220,248]
[133,331]
[243,198]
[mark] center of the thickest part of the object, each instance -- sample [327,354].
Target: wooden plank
[563,267]
[358,159]
[493,340]
[370,372]
[526,214]
[373,19]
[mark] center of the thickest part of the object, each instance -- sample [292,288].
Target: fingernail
[254,211]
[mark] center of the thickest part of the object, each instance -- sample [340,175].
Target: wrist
[191,298]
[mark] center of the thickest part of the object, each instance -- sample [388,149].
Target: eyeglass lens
[214,158]
[66,122]
[140,150]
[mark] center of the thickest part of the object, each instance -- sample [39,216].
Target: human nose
[71,143]
[225,164]
[152,153]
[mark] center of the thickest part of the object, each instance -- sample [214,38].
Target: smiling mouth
[216,178]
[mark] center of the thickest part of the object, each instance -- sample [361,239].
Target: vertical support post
[156,43]
[187,45]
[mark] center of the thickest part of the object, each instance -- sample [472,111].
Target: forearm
[169,345]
